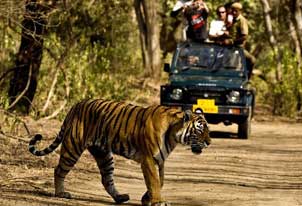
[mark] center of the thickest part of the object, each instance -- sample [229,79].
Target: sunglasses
[221,12]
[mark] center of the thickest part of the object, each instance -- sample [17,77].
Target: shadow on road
[223,135]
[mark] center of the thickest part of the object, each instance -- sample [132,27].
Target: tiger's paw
[121,198]
[66,195]
[146,199]
[161,204]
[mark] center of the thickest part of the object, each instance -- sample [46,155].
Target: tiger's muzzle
[196,146]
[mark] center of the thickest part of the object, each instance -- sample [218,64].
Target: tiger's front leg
[153,183]
[146,199]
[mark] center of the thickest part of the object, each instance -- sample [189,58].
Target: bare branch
[24,91]
[17,118]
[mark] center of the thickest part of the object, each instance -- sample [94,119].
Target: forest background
[54,53]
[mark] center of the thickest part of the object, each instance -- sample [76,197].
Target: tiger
[146,135]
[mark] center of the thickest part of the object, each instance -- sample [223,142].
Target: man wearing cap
[238,34]
[239,30]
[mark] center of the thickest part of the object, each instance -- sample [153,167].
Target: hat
[236,5]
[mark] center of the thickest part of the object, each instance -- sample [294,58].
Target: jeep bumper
[224,113]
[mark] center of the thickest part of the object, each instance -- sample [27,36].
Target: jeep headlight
[233,97]
[176,94]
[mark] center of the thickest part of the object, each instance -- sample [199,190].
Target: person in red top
[196,15]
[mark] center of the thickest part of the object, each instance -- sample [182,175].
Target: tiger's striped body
[146,135]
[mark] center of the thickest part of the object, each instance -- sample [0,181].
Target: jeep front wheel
[244,128]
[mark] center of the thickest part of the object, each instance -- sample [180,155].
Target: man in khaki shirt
[239,29]
[238,34]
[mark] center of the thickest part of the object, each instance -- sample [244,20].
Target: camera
[197,5]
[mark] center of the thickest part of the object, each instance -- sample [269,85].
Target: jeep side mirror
[167,67]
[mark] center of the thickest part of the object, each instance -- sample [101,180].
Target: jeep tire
[244,128]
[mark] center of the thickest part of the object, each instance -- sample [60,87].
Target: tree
[271,37]
[24,81]
[148,22]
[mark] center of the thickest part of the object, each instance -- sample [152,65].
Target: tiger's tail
[47,150]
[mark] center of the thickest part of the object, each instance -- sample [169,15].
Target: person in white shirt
[218,29]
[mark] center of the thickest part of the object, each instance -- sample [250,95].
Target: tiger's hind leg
[68,159]
[105,164]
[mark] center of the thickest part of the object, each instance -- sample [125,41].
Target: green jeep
[212,79]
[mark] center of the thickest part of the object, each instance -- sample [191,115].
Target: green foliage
[8,48]
[283,96]
[96,49]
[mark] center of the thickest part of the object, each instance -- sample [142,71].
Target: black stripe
[70,153]
[59,138]
[76,137]
[101,126]
[68,162]
[166,109]
[139,124]
[154,110]
[111,117]
[31,148]
[76,149]
[142,122]
[102,114]
[110,160]
[86,112]
[160,151]
[129,146]
[101,105]
[134,127]
[167,140]
[61,168]
[156,161]
[129,116]
[117,118]
[108,170]
[135,119]
[111,111]
[89,118]
[122,149]
[116,136]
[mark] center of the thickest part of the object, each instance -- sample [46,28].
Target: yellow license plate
[207,106]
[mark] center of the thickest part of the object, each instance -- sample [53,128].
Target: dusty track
[265,170]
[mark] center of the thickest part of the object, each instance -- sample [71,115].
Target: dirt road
[265,170]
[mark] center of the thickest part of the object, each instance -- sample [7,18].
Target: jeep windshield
[208,58]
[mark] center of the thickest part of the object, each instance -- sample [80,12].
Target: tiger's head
[195,132]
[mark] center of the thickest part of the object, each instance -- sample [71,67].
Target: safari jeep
[211,79]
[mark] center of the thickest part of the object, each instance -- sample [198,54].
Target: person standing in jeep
[238,34]
[196,15]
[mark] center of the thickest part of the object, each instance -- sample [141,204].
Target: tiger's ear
[199,111]
[187,115]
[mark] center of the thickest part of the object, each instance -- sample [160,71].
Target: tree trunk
[272,39]
[298,17]
[148,22]
[295,38]
[24,81]
[296,27]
